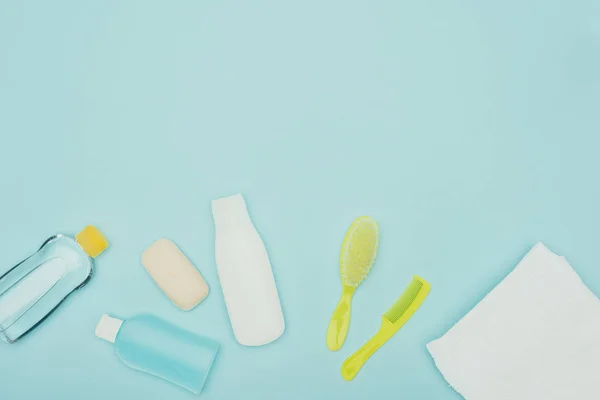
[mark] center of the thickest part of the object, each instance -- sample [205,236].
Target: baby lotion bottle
[149,344]
[245,274]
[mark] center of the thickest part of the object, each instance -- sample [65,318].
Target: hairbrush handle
[354,363]
[340,320]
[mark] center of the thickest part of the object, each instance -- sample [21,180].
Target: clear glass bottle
[149,344]
[34,288]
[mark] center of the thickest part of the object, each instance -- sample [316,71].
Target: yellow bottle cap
[92,241]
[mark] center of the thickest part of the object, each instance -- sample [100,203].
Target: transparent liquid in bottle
[34,288]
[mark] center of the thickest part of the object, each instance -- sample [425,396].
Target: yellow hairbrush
[391,322]
[357,257]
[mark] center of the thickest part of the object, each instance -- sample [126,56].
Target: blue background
[469,129]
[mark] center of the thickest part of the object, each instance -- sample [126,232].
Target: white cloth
[536,336]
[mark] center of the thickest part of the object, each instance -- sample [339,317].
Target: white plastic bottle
[245,275]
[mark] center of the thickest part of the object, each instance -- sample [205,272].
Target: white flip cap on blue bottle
[108,328]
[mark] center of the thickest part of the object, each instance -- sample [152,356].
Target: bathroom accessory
[152,345]
[245,274]
[534,336]
[394,319]
[34,288]
[359,250]
[174,274]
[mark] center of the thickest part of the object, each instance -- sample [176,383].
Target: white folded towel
[536,336]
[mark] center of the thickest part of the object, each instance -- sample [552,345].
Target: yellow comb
[356,259]
[391,322]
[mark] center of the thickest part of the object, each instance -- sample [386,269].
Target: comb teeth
[405,300]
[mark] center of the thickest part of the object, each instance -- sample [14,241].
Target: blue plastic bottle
[34,288]
[151,345]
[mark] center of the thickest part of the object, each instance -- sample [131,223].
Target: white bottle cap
[230,210]
[108,328]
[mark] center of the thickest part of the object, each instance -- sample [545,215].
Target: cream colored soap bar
[174,274]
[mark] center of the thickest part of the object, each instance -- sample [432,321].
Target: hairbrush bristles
[359,251]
